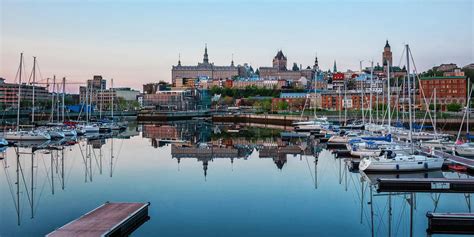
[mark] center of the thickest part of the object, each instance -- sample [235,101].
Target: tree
[454,107]
[295,67]
[282,105]
[351,84]
[438,107]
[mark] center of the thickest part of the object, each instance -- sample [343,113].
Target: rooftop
[443,77]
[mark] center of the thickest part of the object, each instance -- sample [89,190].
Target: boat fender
[398,166]
[426,165]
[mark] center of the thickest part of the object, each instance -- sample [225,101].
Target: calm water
[210,183]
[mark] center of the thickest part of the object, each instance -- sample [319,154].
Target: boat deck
[109,219]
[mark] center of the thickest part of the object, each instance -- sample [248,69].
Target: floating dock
[435,185]
[450,223]
[109,219]
[469,163]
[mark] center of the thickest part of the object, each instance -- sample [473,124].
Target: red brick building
[334,101]
[449,89]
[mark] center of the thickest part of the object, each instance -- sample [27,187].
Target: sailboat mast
[64,91]
[410,135]
[87,103]
[19,94]
[112,99]
[468,104]
[362,95]
[34,82]
[370,89]
[389,97]
[435,110]
[52,98]
[315,104]
[345,103]
[57,102]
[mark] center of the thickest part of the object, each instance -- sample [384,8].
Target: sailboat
[20,135]
[3,142]
[392,162]
[87,127]
[466,149]
[315,124]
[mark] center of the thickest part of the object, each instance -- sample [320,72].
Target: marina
[192,159]
[233,118]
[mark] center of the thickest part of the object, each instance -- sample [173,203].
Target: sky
[137,42]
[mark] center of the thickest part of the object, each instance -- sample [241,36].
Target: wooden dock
[109,219]
[435,185]
[450,223]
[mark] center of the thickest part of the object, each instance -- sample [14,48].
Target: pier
[450,223]
[469,163]
[434,185]
[109,219]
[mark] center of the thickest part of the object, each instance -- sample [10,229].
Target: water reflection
[38,172]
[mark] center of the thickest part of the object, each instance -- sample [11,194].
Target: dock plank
[101,220]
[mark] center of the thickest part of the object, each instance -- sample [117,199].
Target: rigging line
[118,154]
[400,217]
[10,185]
[419,83]
[70,169]
[47,173]
[24,183]
[42,190]
[309,168]
[17,74]
[39,71]
[95,158]
[83,159]
[401,58]
[381,219]
[31,75]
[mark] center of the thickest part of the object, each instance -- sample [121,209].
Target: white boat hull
[393,165]
[26,137]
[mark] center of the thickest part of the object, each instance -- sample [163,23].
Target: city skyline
[138,43]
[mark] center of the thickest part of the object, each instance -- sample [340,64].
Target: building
[204,69]
[152,88]
[449,89]
[242,83]
[279,70]
[173,100]
[97,83]
[101,97]
[350,100]
[292,101]
[387,56]
[446,67]
[9,94]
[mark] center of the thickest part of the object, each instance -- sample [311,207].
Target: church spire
[206,57]
[335,68]
[179,59]
[316,64]
[232,62]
